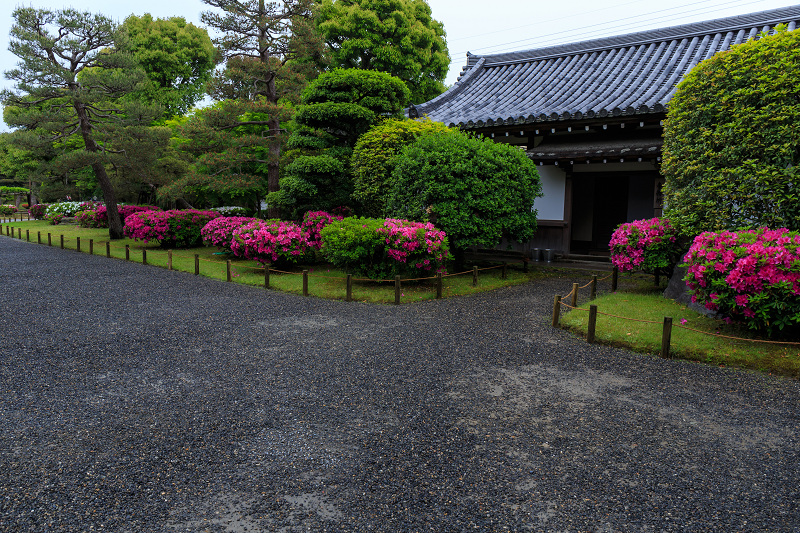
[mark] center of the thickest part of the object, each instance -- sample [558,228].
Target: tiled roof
[628,75]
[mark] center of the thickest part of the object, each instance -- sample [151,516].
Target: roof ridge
[727,24]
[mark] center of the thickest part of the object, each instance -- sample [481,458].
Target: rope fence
[666,336]
[148,256]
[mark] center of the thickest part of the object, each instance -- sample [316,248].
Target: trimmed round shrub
[270,241]
[54,218]
[752,276]
[219,232]
[313,223]
[731,146]
[37,211]
[173,229]
[381,249]
[649,245]
[374,159]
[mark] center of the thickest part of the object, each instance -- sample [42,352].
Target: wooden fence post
[62,242]
[305,282]
[108,249]
[348,297]
[127,252]
[169,260]
[144,256]
[575,290]
[266,275]
[39,237]
[666,337]
[77,244]
[593,290]
[196,264]
[474,276]
[397,290]
[28,235]
[556,309]
[49,239]
[228,269]
[614,279]
[91,246]
[438,285]
[592,324]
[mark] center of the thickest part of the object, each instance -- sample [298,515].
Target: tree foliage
[257,39]
[178,58]
[732,139]
[374,159]
[71,84]
[474,189]
[395,36]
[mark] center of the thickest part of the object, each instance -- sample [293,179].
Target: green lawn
[641,301]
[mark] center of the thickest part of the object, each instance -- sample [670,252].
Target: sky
[477,26]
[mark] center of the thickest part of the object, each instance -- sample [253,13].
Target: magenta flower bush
[174,228]
[37,211]
[270,241]
[313,223]
[752,276]
[89,219]
[381,249]
[124,212]
[649,245]
[7,209]
[54,218]
[219,232]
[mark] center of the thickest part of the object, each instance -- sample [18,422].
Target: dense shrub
[649,245]
[474,189]
[731,144]
[270,241]
[374,159]
[313,223]
[90,219]
[751,276]
[54,218]
[219,232]
[380,249]
[37,211]
[231,210]
[174,228]
[7,209]
[124,212]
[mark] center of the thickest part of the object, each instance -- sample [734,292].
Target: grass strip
[685,344]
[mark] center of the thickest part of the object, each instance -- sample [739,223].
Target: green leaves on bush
[355,245]
[732,139]
[474,189]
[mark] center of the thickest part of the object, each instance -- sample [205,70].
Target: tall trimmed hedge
[374,159]
[475,190]
[732,139]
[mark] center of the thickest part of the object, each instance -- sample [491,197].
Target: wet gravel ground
[134,399]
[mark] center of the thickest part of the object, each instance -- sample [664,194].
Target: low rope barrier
[233,270]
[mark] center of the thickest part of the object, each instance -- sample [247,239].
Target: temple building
[590,115]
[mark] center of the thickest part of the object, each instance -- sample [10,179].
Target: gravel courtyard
[135,399]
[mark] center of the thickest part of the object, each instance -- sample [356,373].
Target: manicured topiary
[751,276]
[474,189]
[374,156]
[731,139]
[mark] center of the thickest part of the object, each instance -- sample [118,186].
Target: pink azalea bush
[219,232]
[270,241]
[37,211]
[89,219]
[124,212]
[649,245]
[174,229]
[313,223]
[751,276]
[381,249]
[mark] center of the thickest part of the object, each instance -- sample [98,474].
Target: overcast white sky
[478,26]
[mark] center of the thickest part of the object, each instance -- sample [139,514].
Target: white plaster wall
[551,205]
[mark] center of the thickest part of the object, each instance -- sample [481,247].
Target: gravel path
[134,399]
